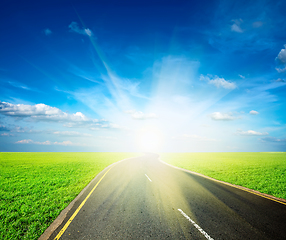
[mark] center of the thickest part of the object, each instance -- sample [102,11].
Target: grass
[36,187]
[264,172]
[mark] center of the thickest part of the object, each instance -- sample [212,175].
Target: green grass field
[36,187]
[264,172]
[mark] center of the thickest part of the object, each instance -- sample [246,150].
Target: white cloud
[4,128]
[64,143]
[72,134]
[282,55]
[75,28]
[43,143]
[218,116]
[88,32]
[42,112]
[7,135]
[235,27]
[252,112]
[140,115]
[241,76]
[45,113]
[99,126]
[47,32]
[281,58]
[257,24]
[19,129]
[38,110]
[25,141]
[280,80]
[281,70]
[218,82]
[250,133]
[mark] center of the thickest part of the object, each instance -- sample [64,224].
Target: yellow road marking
[78,209]
[258,194]
[229,184]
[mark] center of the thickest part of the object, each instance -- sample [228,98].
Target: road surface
[143,198]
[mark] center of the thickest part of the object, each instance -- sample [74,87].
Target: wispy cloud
[25,141]
[253,112]
[64,143]
[18,129]
[72,134]
[218,82]
[4,128]
[140,115]
[235,27]
[9,131]
[7,134]
[256,93]
[250,133]
[281,70]
[109,125]
[252,32]
[257,24]
[20,85]
[111,98]
[218,116]
[122,88]
[241,76]
[14,84]
[29,141]
[273,139]
[280,80]
[47,32]
[74,27]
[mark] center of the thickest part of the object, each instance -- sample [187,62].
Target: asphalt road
[143,198]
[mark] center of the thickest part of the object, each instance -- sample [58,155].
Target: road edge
[264,195]
[58,221]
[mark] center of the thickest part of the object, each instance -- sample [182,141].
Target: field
[36,187]
[264,172]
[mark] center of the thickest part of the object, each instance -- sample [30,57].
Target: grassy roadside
[36,187]
[264,172]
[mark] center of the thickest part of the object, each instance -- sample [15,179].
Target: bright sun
[149,140]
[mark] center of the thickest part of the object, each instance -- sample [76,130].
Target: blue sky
[177,76]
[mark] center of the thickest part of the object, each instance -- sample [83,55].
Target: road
[143,198]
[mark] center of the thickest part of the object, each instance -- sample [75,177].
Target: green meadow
[264,172]
[36,187]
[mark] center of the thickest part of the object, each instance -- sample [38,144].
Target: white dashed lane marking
[148,178]
[196,225]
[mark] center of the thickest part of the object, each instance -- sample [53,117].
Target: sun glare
[149,140]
